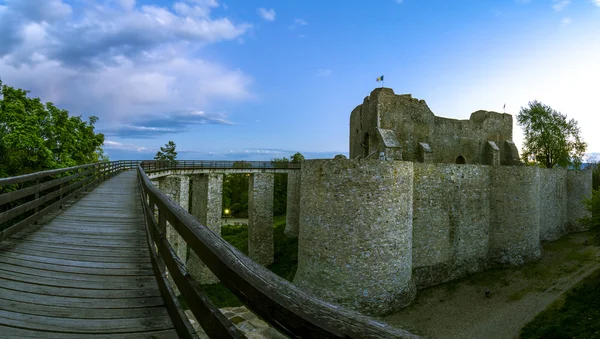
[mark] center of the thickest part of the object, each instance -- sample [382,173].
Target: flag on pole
[380,78]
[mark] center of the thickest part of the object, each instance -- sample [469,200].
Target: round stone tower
[355,234]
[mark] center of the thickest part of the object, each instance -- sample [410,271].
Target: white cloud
[323,72]
[596,2]
[298,23]
[115,145]
[559,5]
[565,21]
[267,14]
[127,4]
[124,64]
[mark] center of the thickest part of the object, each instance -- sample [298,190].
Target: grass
[285,264]
[576,315]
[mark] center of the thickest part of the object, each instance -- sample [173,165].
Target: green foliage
[35,136]
[575,316]
[167,153]
[550,139]
[593,221]
[280,185]
[285,264]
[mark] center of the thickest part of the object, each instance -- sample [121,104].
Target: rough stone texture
[492,154]
[579,186]
[355,237]
[206,206]
[553,203]
[246,321]
[514,215]
[173,187]
[450,221]
[260,218]
[413,122]
[292,216]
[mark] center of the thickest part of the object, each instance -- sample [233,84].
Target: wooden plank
[33,247]
[82,313]
[72,325]
[91,303]
[75,269]
[71,276]
[140,292]
[39,175]
[108,283]
[81,255]
[14,332]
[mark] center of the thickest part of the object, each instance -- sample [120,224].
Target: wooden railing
[155,165]
[26,198]
[280,303]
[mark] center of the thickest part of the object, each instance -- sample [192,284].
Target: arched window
[461,160]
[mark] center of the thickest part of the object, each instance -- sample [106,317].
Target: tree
[297,158]
[167,153]
[550,139]
[35,136]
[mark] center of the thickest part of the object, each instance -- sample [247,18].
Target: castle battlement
[386,118]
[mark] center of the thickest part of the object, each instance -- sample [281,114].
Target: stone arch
[461,160]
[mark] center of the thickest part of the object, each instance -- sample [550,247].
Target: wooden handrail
[293,311]
[34,197]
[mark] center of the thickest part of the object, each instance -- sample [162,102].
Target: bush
[593,222]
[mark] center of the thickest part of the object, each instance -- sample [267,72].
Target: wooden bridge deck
[86,273]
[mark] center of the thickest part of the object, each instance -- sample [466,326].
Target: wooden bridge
[99,268]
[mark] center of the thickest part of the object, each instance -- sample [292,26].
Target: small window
[460,160]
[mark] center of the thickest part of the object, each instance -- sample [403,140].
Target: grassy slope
[286,259]
[576,315]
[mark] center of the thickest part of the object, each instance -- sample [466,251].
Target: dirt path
[461,309]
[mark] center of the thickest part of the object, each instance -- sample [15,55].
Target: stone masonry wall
[205,205]
[354,244]
[292,215]
[514,215]
[450,221]
[579,186]
[413,122]
[553,203]
[260,218]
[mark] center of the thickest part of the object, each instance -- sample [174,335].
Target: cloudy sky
[260,79]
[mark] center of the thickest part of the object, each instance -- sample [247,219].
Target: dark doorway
[461,160]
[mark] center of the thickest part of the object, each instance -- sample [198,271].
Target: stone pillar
[579,187]
[355,235]
[514,215]
[176,187]
[260,218]
[292,215]
[206,205]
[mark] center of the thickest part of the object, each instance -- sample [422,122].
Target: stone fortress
[422,200]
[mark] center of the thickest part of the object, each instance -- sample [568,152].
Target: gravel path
[461,309]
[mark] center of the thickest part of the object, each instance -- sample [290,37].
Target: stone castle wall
[354,242]
[450,221]
[412,122]
[356,232]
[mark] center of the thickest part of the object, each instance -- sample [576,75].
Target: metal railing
[280,303]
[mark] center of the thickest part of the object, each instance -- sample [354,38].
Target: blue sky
[261,79]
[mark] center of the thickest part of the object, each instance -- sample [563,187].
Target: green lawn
[286,259]
[576,315]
